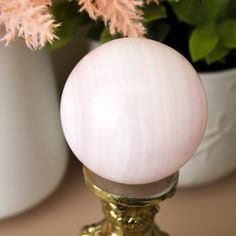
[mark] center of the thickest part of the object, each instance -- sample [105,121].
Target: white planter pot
[216,156]
[33,155]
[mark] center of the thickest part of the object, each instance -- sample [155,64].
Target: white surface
[32,149]
[216,156]
[133,111]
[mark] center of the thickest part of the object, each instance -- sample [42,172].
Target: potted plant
[205,33]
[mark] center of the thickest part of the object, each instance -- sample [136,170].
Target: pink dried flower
[123,16]
[90,7]
[29,19]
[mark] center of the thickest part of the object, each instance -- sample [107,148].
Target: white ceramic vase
[216,156]
[33,154]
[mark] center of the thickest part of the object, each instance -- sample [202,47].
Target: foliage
[213,32]
[204,31]
[67,13]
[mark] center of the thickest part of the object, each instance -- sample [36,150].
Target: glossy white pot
[216,156]
[33,154]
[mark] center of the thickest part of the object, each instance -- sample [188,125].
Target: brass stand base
[100,229]
[129,209]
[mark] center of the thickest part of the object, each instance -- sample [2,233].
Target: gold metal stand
[129,209]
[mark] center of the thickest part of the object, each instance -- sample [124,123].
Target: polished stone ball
[133,111]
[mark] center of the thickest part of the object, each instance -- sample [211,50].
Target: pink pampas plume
[29,19]
[123,16]
[32,20]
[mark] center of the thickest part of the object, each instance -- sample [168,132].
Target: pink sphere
[133,111]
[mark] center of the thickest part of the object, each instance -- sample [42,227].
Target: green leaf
[191,12]
[106,36]
[202,41]
[66,13]
[154,12]
[159,31]
[227,33]
[231,9]
[95,30]
[218,53]
[215,8]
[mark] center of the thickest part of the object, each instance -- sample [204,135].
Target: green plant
[204,31]
[213,25]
